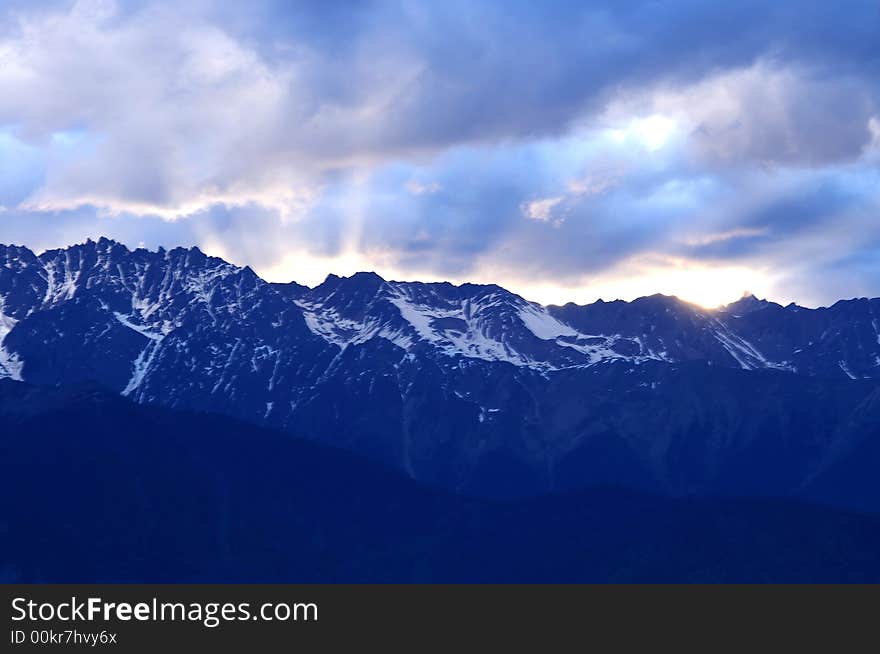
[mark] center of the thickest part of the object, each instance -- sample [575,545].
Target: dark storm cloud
[490,71]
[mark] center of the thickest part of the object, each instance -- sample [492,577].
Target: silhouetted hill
[95,488]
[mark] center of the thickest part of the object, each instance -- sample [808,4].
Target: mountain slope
[469,387]
[95,488]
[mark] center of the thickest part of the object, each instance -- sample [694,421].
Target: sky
[568,151]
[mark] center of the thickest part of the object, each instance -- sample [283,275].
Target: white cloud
[763,113]
[541,209]
[592,184]
[720,237]
[418,188]
[874,128]
[649,132]
[175,114]
[547,209]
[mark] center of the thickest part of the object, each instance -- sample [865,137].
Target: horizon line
[600,300]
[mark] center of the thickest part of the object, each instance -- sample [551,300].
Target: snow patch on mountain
[10,364]
[598,348]
[745,354]
[543,325]
[473,341]
[142,366]
[321,324]
[140,329]
[846,369]
[202,283]
[62,279]
[327,323]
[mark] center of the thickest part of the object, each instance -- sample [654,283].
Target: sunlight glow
[652,132]
[311,269]
[707,286]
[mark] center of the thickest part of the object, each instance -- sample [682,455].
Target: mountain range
[468,388]
[96,488]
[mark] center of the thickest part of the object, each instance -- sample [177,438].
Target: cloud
[592,185]
[182,107]
[764,113]
[441,140]
[418,188]
[540,209]
[172,117]
[553,209]
[873,148]
[731,234]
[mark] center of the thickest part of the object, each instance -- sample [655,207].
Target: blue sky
[566,150]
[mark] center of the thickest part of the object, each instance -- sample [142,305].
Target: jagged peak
[656,299]
[367,275]
[366,280]
[12,247]
[483,288]
[665,301]
[748,303]
[108,245]
[290,290]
